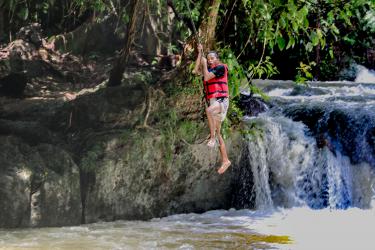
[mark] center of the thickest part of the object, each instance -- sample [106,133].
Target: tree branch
[186,20]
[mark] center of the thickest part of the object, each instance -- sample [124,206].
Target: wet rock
[348,130]
[358,73]
[243,195]
[32,191]
[135,179]
[304,90]
[252,106]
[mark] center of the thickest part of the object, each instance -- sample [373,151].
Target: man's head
[212,58]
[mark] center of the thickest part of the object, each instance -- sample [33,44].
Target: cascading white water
[277,155]
[258,158]
[365,75]
[339,180]
[290,170]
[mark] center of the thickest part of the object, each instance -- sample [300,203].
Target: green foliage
[237,78]
[52,13]
[262,68]
[304,72]
[253,130]
[142,76]
[90,161]
[301,27]
[235,114]
[189,85]
[188,130]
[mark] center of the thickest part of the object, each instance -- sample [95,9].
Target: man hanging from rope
[215,82]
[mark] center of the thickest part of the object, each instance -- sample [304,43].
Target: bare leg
[211,124]
[212,112]
[225,163]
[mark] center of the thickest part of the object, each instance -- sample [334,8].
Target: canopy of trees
[269,38]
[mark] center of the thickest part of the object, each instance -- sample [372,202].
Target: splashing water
[365,75]
[290,170]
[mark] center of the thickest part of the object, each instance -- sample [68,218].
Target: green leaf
[314,38]
[291,42]
[330,17]
[306,22]
[335,29]
[331,53]
[282,22]
[319,33]
[271,44]
[281,42]
[323,42]
[23,13]
[295,26]
[304,10]
[309,47]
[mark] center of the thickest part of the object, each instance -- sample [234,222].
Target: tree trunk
[169,30]
[206,31]
[119,67]
[2,33]
[1,25]
[151,41]
[209,23]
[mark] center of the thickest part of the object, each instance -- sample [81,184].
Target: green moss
[90,160]
[253,132]
[188,130]
[168,140]
[185,84]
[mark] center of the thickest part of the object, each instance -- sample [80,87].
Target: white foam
[365,75]
[279,92]
[319,229]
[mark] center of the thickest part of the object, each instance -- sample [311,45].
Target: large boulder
[39,185]
[141,176]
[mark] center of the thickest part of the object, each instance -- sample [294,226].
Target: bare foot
[224,167]
[211,143]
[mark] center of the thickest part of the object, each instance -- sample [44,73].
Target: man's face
[211,59]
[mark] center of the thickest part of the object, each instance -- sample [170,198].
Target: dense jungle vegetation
[282,39]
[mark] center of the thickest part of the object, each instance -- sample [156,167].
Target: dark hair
[213,52]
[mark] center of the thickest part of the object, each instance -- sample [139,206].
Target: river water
[296,228]
[312,165]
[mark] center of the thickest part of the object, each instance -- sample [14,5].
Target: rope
[192,22]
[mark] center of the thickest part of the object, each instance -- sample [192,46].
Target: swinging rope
[193,25]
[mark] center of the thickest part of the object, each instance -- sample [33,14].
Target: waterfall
[365,75]
[289,169]
[259,167]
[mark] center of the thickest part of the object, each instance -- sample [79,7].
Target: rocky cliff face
[74,151]
[96,158]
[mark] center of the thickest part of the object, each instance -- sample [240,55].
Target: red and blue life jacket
[217,86]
